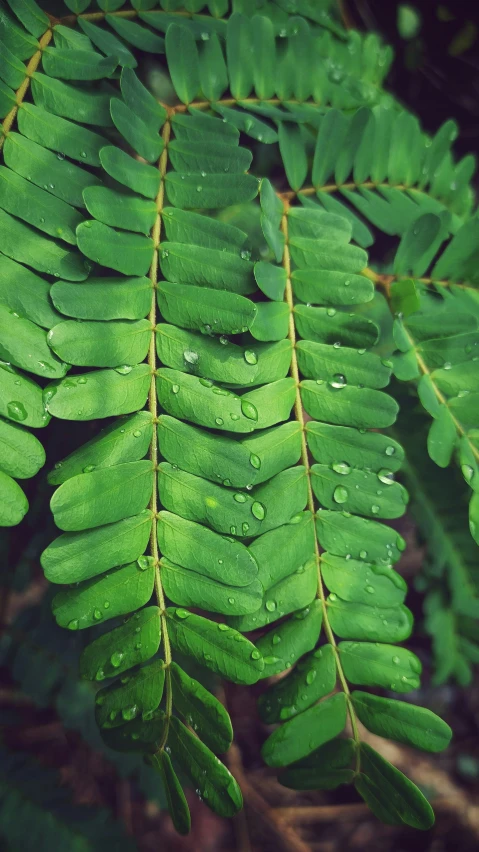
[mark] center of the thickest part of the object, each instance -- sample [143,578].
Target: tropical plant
[241,472]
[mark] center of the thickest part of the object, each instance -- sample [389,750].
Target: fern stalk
[299,413]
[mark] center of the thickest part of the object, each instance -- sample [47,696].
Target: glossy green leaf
[70,102]
[120,209]
[239,46]
[124,647]
[336,489]
[346,405]
[103,496]
[346,535]
[108,299]
[78,556]
[134,34]
[21,398]
[327,287]
[77,64]
[23,244]
[192,191]
[25,345]
[37,207]
[103,393]
[191,588]
[389,794]
[301,735]
[202,550]
[125,699]
[115,593]
[344,445]
[352,620]
[216,785]
[31,16]
[361,582]
[138,176]
[313,678]
[142,138]
[387,666]
[21,454]
[215,645]
[45,169]
[401,721]
[201,710]
[183,62]
[124,252]
[293,154]
[14,504]
[213,71]
[100,344]
[296,636]
[209,267]
[177,804]
[59,135]
[125,440]
[109,44]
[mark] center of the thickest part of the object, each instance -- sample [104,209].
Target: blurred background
[72,793]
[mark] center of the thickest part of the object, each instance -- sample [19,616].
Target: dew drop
[137,433]
[311,676]
[331,312]
[340,494]
[129,713]
[245,528]
[276,639]
[363,554]
[255,655]
[338,381]
[219,421]
[375,509]
[182,613]
[199,188]
[341,467]
[16,411]
[255,461]
[250,357]
[396,660]
[258,510]
[74,624]
[190,356]
[97,614]
[270,606]
[386,476]
[88,468]
[175,388]
[116,659]
[233,530]
[390,451]
[249,410]
[240,497]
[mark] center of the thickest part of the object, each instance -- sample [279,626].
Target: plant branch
[23,89]
[153,408]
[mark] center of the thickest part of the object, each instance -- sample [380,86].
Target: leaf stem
[299,414]
[440,396]
[153,408]
[23,89]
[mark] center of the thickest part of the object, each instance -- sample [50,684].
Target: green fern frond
[245,367]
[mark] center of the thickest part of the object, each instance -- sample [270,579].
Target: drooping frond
[242,471]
